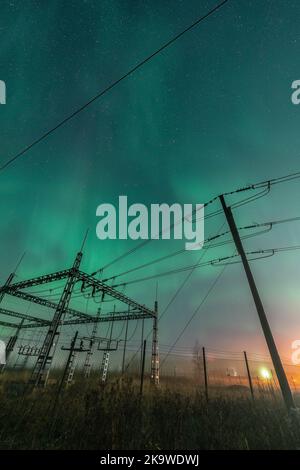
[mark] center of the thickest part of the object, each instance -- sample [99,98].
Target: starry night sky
[210,114]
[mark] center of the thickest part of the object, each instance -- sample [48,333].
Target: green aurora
[210,114]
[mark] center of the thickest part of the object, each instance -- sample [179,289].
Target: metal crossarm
[101,286]
[64,315]
[44,302]
[117,316]
[36,281]
[11,325]
[106,318]
[12,313]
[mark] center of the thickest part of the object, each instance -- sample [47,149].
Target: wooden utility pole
[124,349]
[143,367]
[205,373]
[283,382]
[142,343]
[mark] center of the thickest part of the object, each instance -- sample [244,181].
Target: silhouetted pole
[10,278]
[283,382]
[142,342]
[63,378]
[40,372]
[143,367]
[249,375]
[67,365]
[87,363]
[6,285]
[205,373]
[124,350]
[154,378]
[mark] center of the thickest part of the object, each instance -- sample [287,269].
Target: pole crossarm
[121,317]
[12,313]
[90,281]
[36,281]
[12,325]
[61,309]
[44,302]
[113,316]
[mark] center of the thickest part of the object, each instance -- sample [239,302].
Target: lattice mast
[155,352]
[106,355]
[42,367]
[87,362]
[70,366]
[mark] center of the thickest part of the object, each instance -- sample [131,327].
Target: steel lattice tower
[155,352]
[19,290]
[41,370]
[87,362]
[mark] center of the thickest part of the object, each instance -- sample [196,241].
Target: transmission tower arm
[101,286]
[11,313]
[36,281]
[44,302]
[8,324]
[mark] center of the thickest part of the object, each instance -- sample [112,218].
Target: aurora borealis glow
[210,114]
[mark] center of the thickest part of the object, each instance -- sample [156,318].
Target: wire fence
[210,370]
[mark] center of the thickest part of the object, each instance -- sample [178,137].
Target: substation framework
[64,315]
[135,311]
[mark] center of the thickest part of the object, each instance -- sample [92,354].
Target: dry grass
[115,417]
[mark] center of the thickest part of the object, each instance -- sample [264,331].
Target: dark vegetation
[115,417]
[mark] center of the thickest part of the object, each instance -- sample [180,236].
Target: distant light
[265,373]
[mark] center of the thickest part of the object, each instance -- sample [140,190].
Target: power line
[268,252]
[162,258]
[112,85]
[208,241]
[174,296]
[266,184]
[269,226]
[176,271]
[145,242]
[278,180]
[141,245]
[194,313]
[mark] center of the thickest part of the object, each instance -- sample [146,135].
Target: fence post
[249,375]
[143,368]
